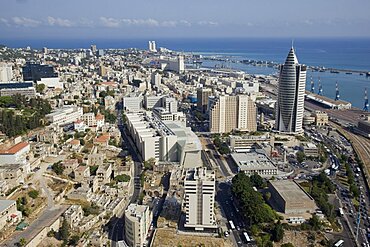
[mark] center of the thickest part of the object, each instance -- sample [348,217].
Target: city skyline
[122,19]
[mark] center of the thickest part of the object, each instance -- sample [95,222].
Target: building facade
[228,113]
[199,199]
[137,221]
[291,91]
[202,99]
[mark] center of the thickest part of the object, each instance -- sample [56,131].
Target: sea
[338,53]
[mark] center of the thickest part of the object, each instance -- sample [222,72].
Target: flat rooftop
[290,191]
[4,204]
[252,161]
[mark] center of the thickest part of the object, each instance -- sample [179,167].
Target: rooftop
[15,149]
[4,204]
[252,161]
[289,190]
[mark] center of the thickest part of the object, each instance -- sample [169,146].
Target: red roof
[102,138]
[109,83]
[15,149]
[99,117]
[75,142]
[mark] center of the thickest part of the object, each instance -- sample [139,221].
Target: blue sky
[47,19]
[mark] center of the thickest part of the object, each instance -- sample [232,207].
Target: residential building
[176,64]
[156,79]
[104,173]
[17,154]
[6,72]
[137,221]
[202,98]
[73,215]
[199,199]
[291,91]
[152,46]
[228,113]
[8,213]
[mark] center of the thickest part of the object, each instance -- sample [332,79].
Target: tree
[354,190]
[287,245]
[122,178]
[58,168]
[64,231]
[22,242]
[300,156]
[33,194]
[257,181]
[277,232]
[149,164]
[74,240]
[40,87]
[314,222]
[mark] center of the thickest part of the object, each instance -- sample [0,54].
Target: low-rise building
[321,118]
[73,215]
[255,162]
[64,115]
[310,149]
[8,213]
[104,173]
[289,198]
[15,154]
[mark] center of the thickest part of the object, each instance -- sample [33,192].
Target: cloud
[25,22]
[207,23]
[59,22]
[116,23]
[4,21]
[109,22]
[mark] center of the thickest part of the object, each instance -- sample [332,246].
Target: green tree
[122,178]
[58,168]
[40,87]
[257,181]
[74,240]
[277,232]
[300,156]
[33,194]
[64,231]
[22,242]
[287,245]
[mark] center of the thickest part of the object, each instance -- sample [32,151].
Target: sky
[79,19]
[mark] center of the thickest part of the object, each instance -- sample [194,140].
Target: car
[238,228]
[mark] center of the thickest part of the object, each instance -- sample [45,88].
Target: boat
[348,73]
[334,71]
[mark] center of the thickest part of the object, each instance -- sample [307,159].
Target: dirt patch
[169,238]
[297,238]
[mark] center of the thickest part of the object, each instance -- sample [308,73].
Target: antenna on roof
[292,43]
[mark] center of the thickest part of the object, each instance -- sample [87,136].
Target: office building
[321,118]
[151,101]
[246,143]
[156,79]
[255,162]
[35,71]
[176,64]
[291,91]
[6,72]
[289,198]
[23,88]
[93,49]
[65,115]
[16,154]
[202,99]
[199,199]
[228,113]
[132,103]
[152,46]
[137,222]
[169,141]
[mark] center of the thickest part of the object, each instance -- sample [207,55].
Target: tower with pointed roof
[291,90]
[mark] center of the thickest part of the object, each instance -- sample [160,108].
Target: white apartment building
[65,115]
[199,199]
[93,121]
[6,72]
[173,64]
[8,213]
[137,222]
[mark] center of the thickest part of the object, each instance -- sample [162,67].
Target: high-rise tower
[291,90]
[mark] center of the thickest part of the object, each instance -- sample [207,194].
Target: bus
[339,243]
[247,238]
[232,226]
[341,213]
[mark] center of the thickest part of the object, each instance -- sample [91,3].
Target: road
[47,218]
[230,212]
[116,232]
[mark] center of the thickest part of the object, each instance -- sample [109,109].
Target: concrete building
[255,162]
[289,198]
[199,199]
[245,143]
[152,46]
[16,154]
[23,88]
[202,99]
[73,215]
[364,126]
[65,115]
[310,149]
[168,141]
[321,118]
[165,115]
[6,72]
[151,101]
[137,221]
[156,79]
[291,91]
[133,103]
[228,113]
[176,64]
[8,213]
